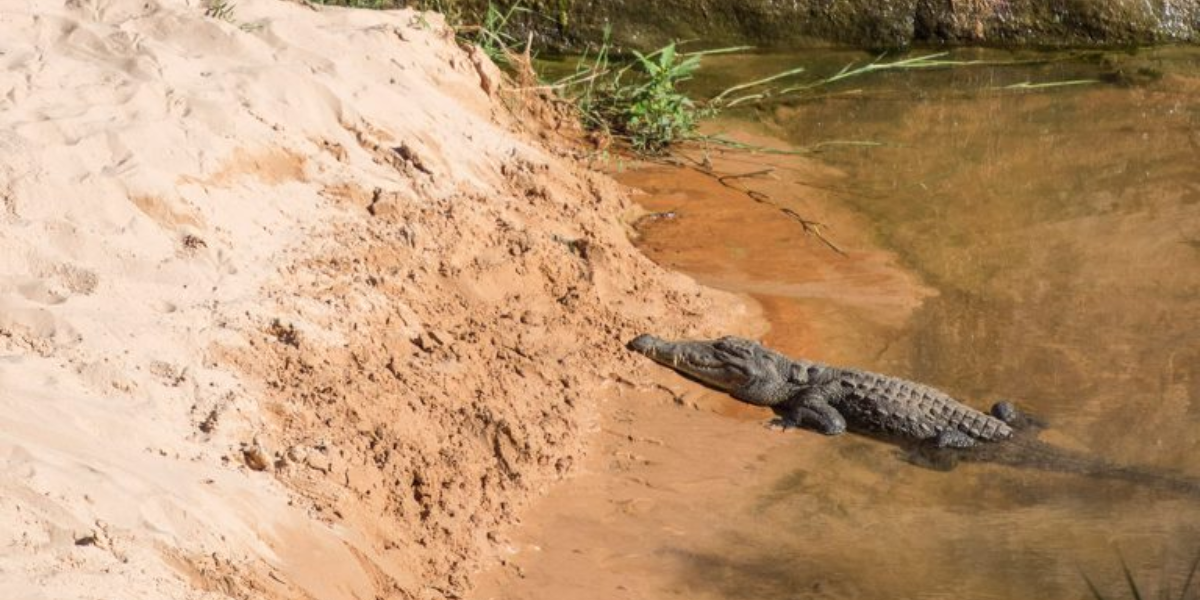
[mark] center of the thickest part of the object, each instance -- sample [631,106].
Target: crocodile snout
[644,343]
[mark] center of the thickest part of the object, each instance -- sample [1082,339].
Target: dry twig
[813,228]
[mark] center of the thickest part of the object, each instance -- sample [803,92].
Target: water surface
[1061,230]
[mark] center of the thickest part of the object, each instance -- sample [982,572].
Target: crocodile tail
[1032,453]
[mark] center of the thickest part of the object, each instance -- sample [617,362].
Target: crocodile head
[737,366]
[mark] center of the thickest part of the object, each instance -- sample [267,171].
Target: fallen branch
[724,178]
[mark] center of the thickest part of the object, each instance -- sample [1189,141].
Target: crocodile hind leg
[953,438]
[1017,419]
[1006,411]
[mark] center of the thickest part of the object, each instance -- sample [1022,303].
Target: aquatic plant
[640,100]
[765,94]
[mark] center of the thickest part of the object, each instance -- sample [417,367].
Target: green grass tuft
[493,36]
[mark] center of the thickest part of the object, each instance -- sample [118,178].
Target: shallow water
[1056,238]
[1061,229]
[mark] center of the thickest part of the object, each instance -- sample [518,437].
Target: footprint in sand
[165,307]
[33,330]
[17,165]
[28,324]
[57,282]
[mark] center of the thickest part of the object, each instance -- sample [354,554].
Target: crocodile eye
[740,368]
[733,345]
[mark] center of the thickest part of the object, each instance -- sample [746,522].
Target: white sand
[156,166]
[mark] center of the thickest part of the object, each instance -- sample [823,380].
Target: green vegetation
[494,36]
[639,100]
[655,111]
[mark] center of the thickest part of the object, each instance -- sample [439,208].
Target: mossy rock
[881,24]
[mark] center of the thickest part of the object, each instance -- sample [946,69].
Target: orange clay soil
[456,356]
[680,466]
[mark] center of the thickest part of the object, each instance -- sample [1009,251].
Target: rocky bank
[873,24]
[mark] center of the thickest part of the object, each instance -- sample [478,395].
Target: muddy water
[1042,247]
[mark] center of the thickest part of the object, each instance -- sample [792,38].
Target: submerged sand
[294,303]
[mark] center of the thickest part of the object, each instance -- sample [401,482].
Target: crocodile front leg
[810,410]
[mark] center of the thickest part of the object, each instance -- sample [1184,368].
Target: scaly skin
[830,399]
[878,403]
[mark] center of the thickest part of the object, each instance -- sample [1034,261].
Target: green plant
[638,101]
[494,36]
[656,112]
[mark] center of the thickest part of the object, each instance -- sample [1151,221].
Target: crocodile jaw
[699,360]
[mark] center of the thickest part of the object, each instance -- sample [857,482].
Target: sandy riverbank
[293,304]
[684,476]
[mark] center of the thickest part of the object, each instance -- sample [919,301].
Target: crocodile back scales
[896,406]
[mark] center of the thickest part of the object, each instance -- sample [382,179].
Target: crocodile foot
[781,424]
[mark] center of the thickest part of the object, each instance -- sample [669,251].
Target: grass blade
[719,51]
[1187,583]
[1133,586]
[1092,586]
[756,83]
[1028,85]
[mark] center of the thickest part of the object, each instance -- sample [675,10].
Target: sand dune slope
[206,225]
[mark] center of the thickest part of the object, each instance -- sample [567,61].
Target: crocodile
[937,429]
[832,400]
